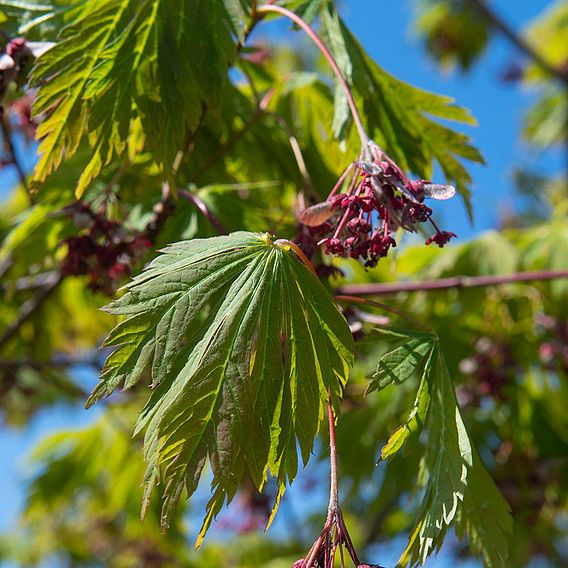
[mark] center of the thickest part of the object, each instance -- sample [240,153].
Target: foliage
[163,122]
[454,32]
[241,371]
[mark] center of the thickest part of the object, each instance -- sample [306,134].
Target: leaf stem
[331,60]
[29,308]
[334,476]
[299,252]
[203,209]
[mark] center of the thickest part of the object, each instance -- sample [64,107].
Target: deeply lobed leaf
[242,385]
[459,489]
[122,60]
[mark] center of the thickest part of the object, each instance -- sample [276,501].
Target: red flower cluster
[104,251]
[379,199]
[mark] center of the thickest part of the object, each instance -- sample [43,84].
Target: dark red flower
[441,238]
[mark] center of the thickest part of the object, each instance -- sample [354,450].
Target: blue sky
[383,28]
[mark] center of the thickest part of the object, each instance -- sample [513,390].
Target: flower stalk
[380,197]
[311,33]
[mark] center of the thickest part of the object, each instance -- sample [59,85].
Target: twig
[453,282]
[482,7]
[390,309]
[334,533]
[58,361]
[7,135]
[334,476]
[202,207]
[297,151]
[29,282]
[29,308]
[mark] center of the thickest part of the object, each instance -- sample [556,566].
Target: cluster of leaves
[457,486]
[241,342]
[454,32]
[546,120]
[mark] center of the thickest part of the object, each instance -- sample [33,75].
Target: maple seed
[438,191]
[441,238]
[316,214]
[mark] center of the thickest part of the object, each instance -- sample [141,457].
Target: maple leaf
[244,343]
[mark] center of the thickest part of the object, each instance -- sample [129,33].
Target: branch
[390,309]
[7,135]
[447,283]
[29,308]
[202,207]
[63,361]
[26,283]
[482,7]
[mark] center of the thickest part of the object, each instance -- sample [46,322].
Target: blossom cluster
[378,199]
[103,250]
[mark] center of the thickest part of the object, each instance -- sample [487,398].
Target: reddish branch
[203,209]
[334,535]
[390,309]
[453,282]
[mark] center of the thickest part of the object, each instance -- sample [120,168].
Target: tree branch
[482,7]
[63,361]
[202,207]
[7,135]
[447,283]
[390,309]
[29,308]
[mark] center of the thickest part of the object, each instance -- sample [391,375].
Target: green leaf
[417,416]
[36,235]
[333,37]
[122,60]
[244,343]
[454,32]
[485,518]
[401,362]
[237,11]
[458,486]
[66,68]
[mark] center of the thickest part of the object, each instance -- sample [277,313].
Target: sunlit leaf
[399,116]
[457,485]
[245,386]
